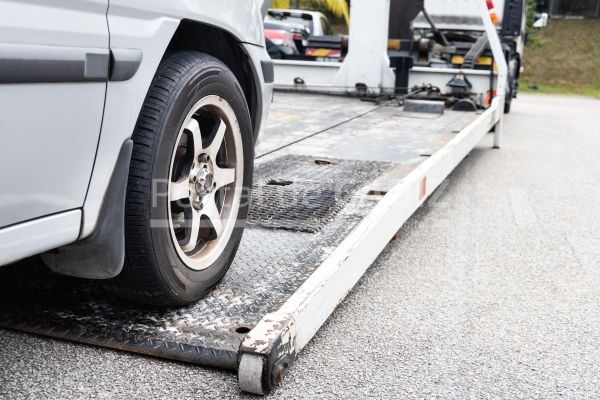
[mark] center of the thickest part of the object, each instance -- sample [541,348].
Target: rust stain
[422,187]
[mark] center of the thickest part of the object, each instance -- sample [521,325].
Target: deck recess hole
[279,182]
[376,193]
[242,330]
[323,162]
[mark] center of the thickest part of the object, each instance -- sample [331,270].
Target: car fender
[148,26]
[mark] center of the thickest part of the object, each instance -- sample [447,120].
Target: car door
[54,63]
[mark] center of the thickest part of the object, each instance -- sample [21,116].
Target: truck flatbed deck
[335,179]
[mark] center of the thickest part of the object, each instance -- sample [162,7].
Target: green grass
[549,88]
[564,58]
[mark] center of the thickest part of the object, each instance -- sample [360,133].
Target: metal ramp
[329,195]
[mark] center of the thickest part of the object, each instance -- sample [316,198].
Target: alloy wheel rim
[205,182]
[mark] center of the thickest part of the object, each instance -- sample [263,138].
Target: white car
[127,132]
[315,22]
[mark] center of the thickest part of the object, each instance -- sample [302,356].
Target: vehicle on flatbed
[310,31]
[336,180]
[316,22]
[289,38]
[128,132]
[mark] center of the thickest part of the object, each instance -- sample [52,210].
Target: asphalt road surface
[492,290]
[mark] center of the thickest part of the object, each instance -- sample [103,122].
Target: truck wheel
[507,104]
[513,73]
[192,159]
[509,96]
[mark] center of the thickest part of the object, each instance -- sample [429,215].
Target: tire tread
[141,280]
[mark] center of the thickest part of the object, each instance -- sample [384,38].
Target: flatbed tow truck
[336,178]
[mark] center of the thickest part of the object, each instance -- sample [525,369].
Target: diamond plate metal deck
[301,193]
[271,264]
[269,267]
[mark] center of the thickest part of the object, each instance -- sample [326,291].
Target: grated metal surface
[302,193]
[270,265]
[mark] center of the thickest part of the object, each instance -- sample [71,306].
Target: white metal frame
[301,316]
[272,344]
[480,79]
[367,62]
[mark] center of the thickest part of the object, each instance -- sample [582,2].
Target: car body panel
[48,127]
[230,15]
[149,26]
[39,235]
[85,162]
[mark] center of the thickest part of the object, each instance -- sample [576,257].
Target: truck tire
[507,104]
[509,95]
[192,160]
[513,75]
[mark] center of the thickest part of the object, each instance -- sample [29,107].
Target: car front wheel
[186,202]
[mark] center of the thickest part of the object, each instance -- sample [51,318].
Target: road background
[492,289]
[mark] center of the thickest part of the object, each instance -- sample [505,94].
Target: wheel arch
[168,36]
[221,44]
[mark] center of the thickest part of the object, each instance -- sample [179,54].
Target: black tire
[154,273]
[513,73]
[509,95]
[507,105]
